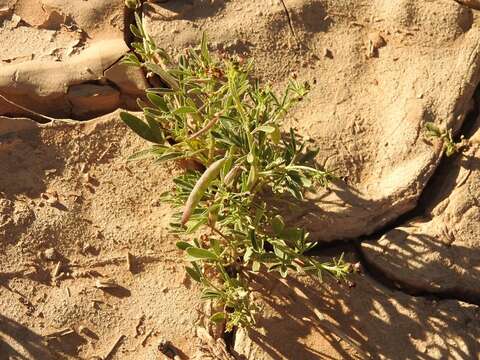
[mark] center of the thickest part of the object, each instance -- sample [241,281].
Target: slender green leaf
[266,129]
[184,110]
[156,129]
[182,245]
[138,126]
[157,101]
[134,30]
[195,275]
[218,317]
[201,254]
[161,91]
[164,75]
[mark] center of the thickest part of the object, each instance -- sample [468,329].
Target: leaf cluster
[211,111]
[449,145]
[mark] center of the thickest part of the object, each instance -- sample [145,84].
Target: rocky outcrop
[439,252]
[379,70]
[307,319]
[368,104]
[65,47]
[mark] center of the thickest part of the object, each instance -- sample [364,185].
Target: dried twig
[114,347]
[59,333]
[130,262]
[207,127]
[45,117]
[145,338]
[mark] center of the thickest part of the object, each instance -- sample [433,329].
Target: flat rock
[49,45]
[103,203]
[439,252]
[307,319]
[129,79]
[42,85]
[7,125]
[87,99]
[365,113]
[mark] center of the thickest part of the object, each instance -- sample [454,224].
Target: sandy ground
[88,269]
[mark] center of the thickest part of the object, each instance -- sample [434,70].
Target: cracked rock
[307,319]
[49,45]
[87,99]
[129,79]
[42,86]
[440,251]
[365,115]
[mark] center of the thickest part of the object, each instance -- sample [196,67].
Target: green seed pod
[200,187]
[213,215]
[252,177]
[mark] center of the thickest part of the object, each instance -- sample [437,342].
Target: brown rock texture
[50,45]
[308,319]
[88,268]
[439,252]
[364,113]
[63,191]
[87,98]
[129,79]
[42,85]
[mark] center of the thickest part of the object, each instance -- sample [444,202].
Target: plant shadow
[19,342]
[310,319]
[419,266]
[183,9]
[426,253]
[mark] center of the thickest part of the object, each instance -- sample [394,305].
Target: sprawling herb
[210,112]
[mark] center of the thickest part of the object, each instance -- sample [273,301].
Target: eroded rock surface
[369,99]
[307,319]
[68,187]
[49,46]
[379,70]
[87,99]
[440,251]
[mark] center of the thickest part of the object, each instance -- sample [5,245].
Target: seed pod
[252,177]
[231,176]
[213,215]
[204,130]
[200,187]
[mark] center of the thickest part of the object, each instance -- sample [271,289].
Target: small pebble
[50,254]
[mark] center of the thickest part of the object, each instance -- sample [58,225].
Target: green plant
[449,145]
[209,112]
[132,4]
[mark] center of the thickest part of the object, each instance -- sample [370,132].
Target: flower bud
[131,4]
